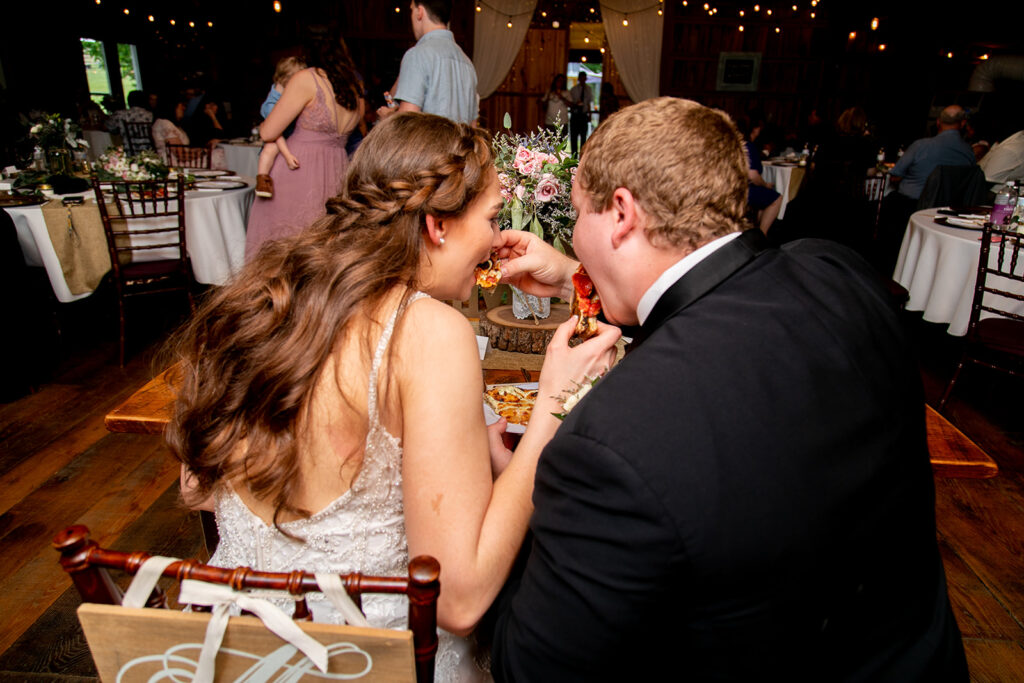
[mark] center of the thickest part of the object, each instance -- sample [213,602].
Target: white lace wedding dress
[363,530]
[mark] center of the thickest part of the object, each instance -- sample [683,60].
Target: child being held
[286,68]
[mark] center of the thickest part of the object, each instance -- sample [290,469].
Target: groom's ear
[626,216]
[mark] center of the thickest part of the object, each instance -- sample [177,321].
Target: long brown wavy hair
[253,354]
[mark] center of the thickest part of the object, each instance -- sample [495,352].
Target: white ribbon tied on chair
[221,598]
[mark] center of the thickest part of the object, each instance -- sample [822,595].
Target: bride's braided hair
[255,351]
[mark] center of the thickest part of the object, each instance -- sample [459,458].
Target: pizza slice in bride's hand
[586,303]
[488,273]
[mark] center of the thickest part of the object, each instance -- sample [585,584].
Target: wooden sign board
[130,645]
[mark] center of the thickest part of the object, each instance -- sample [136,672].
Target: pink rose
[523,154]
[520,192]
[529,167]
[547,188]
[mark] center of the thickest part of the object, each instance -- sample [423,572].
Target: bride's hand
[500,454]
[566,368]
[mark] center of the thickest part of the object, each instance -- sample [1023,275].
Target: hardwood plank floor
[59,466]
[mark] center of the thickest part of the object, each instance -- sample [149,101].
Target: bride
[330,410]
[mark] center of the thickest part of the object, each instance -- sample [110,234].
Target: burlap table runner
[76,233]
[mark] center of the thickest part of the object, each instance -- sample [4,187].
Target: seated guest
[207,129]
[762,198]
[330,411]
[135,113]
[1005,161]
[831,203]
[747,496]
[946,148]
[167,131]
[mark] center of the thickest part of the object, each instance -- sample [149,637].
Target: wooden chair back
[151,640]
[146,239]
[188,157]
[997,340]
[874,191]
[138,136]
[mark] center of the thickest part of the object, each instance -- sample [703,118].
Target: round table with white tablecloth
[214,230]
[938,265]
[785,178]
[242,157]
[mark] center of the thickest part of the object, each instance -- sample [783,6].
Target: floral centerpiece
[114,164]
[54,132]
[57,137]
[536,173]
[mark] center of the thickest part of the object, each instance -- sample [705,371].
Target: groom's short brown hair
[684,163]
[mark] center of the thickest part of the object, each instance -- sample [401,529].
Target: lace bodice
[362,530]
[322,115]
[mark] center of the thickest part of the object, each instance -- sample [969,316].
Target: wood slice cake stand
[509,333]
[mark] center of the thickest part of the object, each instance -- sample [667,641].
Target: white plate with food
[514,402]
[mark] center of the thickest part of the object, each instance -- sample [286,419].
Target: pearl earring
[440,241]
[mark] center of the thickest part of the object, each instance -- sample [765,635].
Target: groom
[747,495]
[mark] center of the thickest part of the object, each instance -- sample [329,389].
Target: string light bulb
[555,24]
[767,12]
[949,55]
[741,28]
[479,8]
[542,14]
[853,34]
[757,8]
[210,24]
[812,15]
[778,30]
[625,22]
[583,58]
[586,39]
[151,17]
[742,13]
[277,5]
[794,8]
[173,22]
[592,10]
[984,56]
[602,52]
[660,12]
[99,2]
[874,24]
[126,11]
[706,6]
[881,48]
[509,24]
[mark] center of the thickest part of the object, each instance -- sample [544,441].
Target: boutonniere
[572,395]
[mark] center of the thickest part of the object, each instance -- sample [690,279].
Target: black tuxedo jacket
[746,496]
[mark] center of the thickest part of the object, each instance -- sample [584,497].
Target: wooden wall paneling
[544,52]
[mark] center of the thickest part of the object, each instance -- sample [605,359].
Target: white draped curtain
[636,48]
[495,45]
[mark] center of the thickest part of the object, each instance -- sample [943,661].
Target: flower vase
[528,306]
[58,161]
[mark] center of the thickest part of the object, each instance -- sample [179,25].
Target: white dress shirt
[676,271]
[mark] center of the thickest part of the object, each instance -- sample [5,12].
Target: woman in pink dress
[325,105]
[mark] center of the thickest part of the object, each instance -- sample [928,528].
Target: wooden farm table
[148,411]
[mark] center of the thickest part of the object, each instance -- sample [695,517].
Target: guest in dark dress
[831,203]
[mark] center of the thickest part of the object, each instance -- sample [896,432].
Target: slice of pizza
[586,303]
[488,273]
[513,403]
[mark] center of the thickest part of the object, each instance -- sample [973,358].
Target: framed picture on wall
[738,71]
